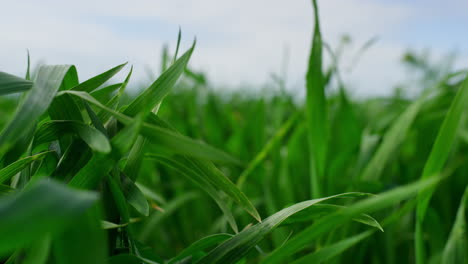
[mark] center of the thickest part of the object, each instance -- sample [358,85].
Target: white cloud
[238,41]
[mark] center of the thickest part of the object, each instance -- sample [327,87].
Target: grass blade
[316,113]
[435,163]
[62,205]
[11,84]
[49,80]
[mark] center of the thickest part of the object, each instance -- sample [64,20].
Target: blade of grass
[334,220]
[49,80]
[438,157]
[455,249]
[98,80]
[53,130]
[316,113]
[236,247]
[16,167]
[62,205]
[11,84]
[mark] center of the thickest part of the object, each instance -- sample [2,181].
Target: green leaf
[316,113]
[16,167]
[153,96]
[200,245]
[11,84]
[45,208]
[46,85]
[53,130]
[170,140]
[455,249]
[104,94]
[435,163]
[169,209]
[330,251]
[269,146]
[339,218]
[391,141]
[98,80]
[101,164]
[84,242]
[134,196]
[320,210]
[38,253]
[236,247]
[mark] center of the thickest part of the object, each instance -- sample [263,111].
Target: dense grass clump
[89,174]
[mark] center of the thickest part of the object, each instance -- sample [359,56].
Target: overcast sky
[238,42]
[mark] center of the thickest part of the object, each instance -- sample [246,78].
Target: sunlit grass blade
[153,95]
[98,80]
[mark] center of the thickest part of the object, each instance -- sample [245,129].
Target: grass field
[181,173]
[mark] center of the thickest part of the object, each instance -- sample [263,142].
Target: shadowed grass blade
[48,81]
[11,84]
[435,163]
[45,208]
[16,167]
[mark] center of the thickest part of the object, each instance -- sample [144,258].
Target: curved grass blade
[101,164]
[53,130]
[320,210]
[339,218]
[103,95]
[46,85]
[154,94]
[236,247]
[98,80]
[200,245]
[187,170]
[165,138]
[11,84]
[335,249]
[17,166]
[62,205]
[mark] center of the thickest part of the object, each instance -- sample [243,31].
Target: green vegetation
[183,174]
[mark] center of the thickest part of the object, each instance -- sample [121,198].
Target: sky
[239,43]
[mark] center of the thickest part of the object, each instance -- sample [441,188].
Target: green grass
[179,173]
